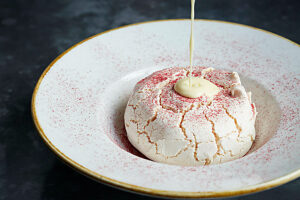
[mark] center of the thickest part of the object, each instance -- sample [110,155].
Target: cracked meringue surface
[169,128]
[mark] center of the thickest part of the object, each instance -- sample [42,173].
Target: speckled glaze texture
[80,102]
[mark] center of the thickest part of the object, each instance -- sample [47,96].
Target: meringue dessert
[170,127]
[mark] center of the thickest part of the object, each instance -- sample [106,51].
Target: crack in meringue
[182,120]
[152,119]
[196,148]
[217,138]
[239,129]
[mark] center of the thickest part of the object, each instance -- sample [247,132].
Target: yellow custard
[193,87]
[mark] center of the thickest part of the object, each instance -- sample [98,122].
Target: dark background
[33,33]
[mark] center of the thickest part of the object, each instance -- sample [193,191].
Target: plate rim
[139,189]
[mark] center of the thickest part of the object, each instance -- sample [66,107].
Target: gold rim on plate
[134,188]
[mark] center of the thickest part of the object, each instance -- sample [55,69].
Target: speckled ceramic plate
[79,101]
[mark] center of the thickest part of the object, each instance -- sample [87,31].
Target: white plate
[79,101]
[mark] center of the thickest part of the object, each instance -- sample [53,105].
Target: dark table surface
[34,32]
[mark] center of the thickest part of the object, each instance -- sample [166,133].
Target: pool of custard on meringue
[193,87]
